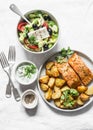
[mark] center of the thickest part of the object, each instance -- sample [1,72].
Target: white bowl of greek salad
[41,35]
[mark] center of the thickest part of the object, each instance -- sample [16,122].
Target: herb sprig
[29,70]
[68,97]
[64,55]
[32,40]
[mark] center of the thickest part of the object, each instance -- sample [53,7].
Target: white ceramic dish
[30,105]
[23,80]
[88,62]
[53,18]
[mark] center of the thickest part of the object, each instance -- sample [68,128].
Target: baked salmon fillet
[81,69]
[69,75]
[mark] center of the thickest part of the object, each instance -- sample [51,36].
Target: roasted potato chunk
[84,97]
[56,94]
[48,72]
[57,102]
[44,79]
[59,82]
[51,82]
[44,87]
[64,88]
[62,106]
[81,89]
[49,65]
[79,101]
[48,94]
[54,71]
[89,91]
[56,88]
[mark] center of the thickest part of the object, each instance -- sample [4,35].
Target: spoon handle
[15,9]
[8,90]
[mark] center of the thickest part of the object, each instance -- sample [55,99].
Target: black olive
[27,36]
[47,17]
[45,47]
[50,31]
[35,27]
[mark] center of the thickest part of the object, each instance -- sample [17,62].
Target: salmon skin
[68,74]
[81,69]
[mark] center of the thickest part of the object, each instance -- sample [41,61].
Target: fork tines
[3,59]
[12,53]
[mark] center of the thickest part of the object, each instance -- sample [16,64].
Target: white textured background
[75,18]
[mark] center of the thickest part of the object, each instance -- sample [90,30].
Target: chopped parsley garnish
[29,70]
[64,55]
[68,97]
[26,70]
[32,40]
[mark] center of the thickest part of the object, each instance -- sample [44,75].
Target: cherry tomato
[33,46]
[45,24]
[21,26]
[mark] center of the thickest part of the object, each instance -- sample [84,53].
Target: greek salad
[39,20]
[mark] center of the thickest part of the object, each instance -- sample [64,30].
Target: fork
[5,66]
[11,60]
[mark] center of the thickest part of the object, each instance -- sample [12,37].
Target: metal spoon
[15,9]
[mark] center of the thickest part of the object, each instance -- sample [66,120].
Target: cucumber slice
[21,37]
[50,45]
[40,44]
[55,28]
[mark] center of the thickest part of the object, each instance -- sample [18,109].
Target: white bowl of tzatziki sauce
[26,72]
